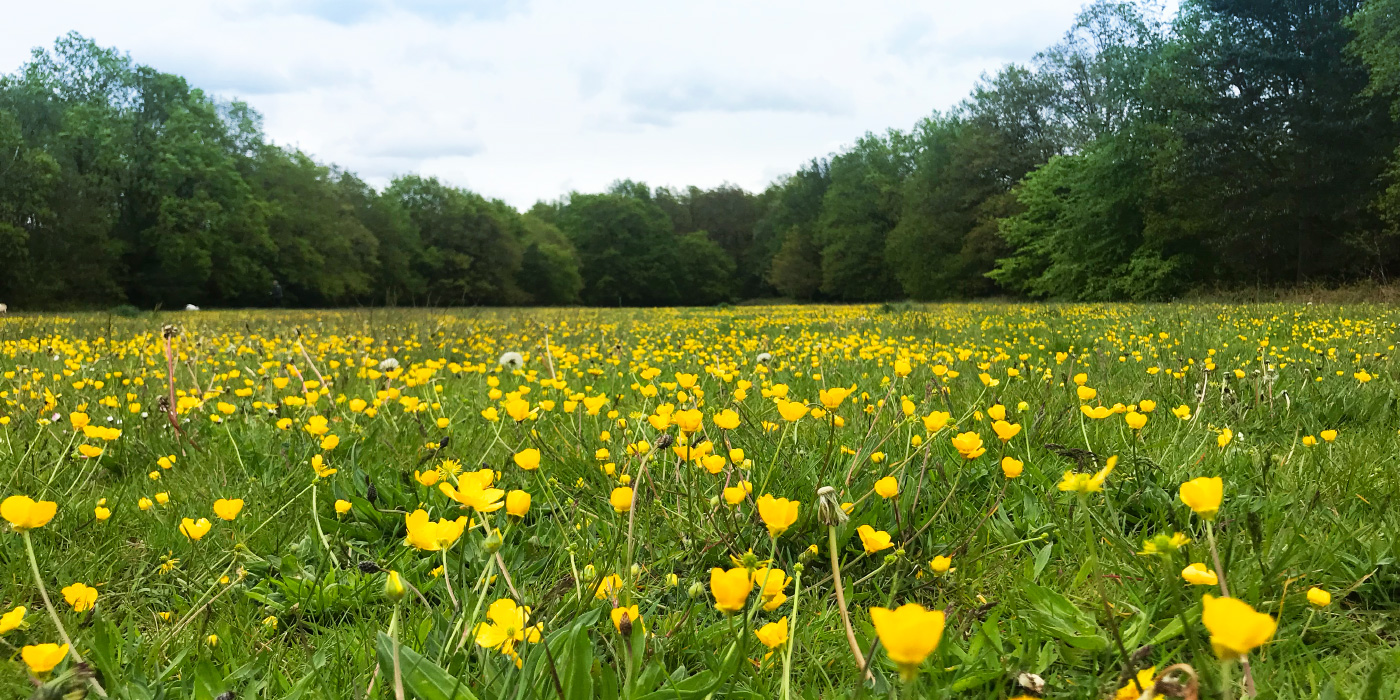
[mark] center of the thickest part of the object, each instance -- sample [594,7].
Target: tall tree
[471,250]
[859,210]
[626,249]
[1377,45]
[786,235]
[965,166]
[1286,149]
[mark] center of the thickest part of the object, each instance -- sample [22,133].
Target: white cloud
[526,99]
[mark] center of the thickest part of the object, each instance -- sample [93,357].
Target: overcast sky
[529,99]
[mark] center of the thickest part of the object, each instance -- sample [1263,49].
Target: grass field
[963,427]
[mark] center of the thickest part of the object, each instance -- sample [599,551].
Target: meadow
[946,501]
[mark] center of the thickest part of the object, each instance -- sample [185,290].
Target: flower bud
[393,587]
[492,543]
[673,580]
[697,591]
[636,571]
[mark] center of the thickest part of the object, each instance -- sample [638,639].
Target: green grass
[302,613]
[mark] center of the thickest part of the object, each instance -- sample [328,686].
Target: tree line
[1236,143]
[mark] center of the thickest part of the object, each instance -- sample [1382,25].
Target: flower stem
[1307,624]
[316,518]
[841,599]
[398,670]
[787,653]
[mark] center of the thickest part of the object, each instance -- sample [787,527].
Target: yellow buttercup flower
[593,404]
[1163,544]
[1088,483]
[1235,627]
[772,583]
[25,513]
[909,635]
[1005,431]
[935,421]
[833,398]
[727,419]
[887,487]
[1011,467]
[518,503]
[42,658]
[611,584]
[941,564]
[730,588]
[81,596]
[1225,436]
[473,490]
[791,410]
[873,540]
[634,617]
[969,445]
[1132,691]
[528,459]
[1198,575]
[621,499]
[734,495]
[430,536]
[778,514]
[1316,596]
[228,508]
[12,620]
[318,465]
[1203,495]
[506,626]
[195,529]
[773,634]
[342,506]
[517,409]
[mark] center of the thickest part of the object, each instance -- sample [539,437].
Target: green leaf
[973,680]
[1170,630]
[208,682]
[1055,615]
[575,664]
[422,678]
[989,628]
[1042,558]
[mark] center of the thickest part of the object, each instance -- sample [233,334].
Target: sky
[525,100]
